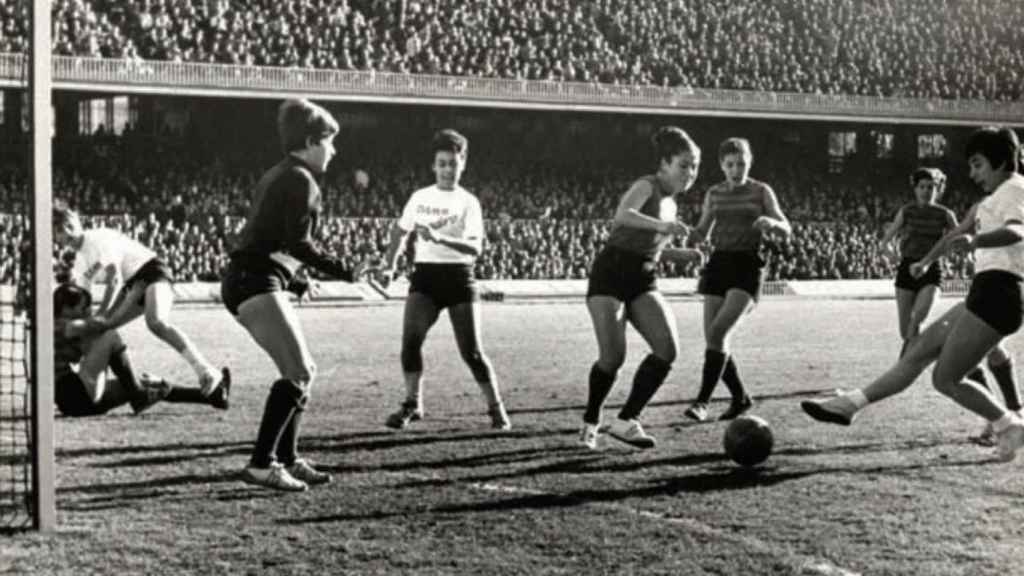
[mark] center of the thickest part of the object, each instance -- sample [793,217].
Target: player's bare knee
[666,353]
[158,326]
[997,356]
[611,362]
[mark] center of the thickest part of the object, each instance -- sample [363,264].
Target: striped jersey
[661,205]
[923,226]
[734,208]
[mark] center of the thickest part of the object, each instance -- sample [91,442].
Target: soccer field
[900,492]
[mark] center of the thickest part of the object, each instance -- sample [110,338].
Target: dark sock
[714,364]
[288,445]
[1007,384]
[184,395]
[977,375]
[600,385]
[731,377]
[649,376]
[121,365]
[282,401]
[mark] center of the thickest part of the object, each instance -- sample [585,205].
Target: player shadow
[400,439]
[466,462]
[114,495]
[759,398]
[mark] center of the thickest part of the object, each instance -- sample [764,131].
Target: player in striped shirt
[994,308]
[142,284]
[447,225]
[737,213]
[918,225]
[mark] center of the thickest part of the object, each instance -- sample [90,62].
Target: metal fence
[231,80]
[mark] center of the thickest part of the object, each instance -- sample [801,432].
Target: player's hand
[365,268]
[763,223]
[675,228]
[685,256]
[917,269]
[964,243]
[383,277]
[426,233]
[96,325]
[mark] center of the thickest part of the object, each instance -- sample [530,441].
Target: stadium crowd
[541,222]
[969,49]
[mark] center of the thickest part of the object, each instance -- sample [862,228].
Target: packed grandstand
[547,212]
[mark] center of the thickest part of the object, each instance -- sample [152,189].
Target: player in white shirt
[448,228]
[108,256]
[994,308]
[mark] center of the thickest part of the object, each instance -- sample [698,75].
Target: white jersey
[102,247]
[454,213]
[1006,203]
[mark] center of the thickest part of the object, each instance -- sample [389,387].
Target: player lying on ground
[108,256]
[84,349]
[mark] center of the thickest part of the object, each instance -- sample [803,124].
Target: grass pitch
[900,492]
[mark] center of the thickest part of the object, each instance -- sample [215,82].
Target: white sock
[858,398]
[1003,422]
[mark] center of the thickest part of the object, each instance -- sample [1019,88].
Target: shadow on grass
[720,478]
[760,398]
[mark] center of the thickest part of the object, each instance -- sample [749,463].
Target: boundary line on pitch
[804,565]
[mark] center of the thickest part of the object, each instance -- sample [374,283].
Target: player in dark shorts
[994,308]
[737,214]
[276,240]
[918,225]
[83,351]
[623,288]
[445,225]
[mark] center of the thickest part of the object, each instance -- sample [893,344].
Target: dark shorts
[997,298]
[151,272]
[905,281]
[244,279]
[731,270]
[445,284]
[72,399]
[622,274]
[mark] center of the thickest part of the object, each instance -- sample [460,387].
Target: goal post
[44,508]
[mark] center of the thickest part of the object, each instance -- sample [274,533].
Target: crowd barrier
[523,290]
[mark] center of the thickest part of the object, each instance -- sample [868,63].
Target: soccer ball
[748,440]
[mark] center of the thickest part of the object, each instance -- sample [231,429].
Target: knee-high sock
[1007,384]
[186,395]
[714,365]
[285,396]
[288,445]
[121,365]
[649,377]
[600,385]
[731,377]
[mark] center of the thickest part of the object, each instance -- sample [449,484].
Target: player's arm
[298,220]
[773,219]
[471,243]
[83,327]
[892,231]
[1012,231]
[112,281]
[699,233]
[628,212]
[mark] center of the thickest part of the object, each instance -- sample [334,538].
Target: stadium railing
[122,75]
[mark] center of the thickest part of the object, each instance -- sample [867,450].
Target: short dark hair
[933,174]
[734,146]
[449,140]
[999,145]
[671,141]
[299,120]
[62,214]
[69,294]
